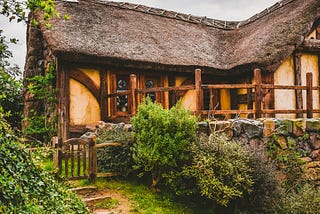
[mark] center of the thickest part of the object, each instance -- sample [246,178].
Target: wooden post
[92,160]
[258,92]
[103,95]
[133,86]
[199,92]
[298,81]
[309,96]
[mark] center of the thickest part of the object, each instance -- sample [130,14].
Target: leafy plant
[221,169]
[26,188]
[304,199]
[10,86]
[42,123]
[115,159]
[163,138]
[266,189]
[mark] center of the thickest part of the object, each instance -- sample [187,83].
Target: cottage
[104,42]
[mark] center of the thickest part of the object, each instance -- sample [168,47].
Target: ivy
[43,126]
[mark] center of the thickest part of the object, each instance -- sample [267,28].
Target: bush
[221,169]
[162,138]
[25,188]
[304,199]
[266,190]
[115,159]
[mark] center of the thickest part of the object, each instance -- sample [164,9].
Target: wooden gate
[76,158]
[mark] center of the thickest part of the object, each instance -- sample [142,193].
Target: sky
[231,10]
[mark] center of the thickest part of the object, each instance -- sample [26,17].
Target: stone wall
[304,133]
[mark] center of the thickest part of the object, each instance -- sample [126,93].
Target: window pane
[122,101]
[152,95]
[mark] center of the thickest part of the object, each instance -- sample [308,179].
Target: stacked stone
[305,133]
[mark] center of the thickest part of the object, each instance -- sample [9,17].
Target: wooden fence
[258,87]
[76,158]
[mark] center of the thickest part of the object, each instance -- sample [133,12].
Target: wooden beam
[86,81]
[298,81]
[309,96]
[318,32]
[63,101]
[103,95]
[133,86]
[199,92]
[310,45]
[258,92]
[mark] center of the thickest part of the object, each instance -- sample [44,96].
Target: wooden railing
[256,110]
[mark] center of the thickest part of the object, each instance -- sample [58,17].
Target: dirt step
[84,190]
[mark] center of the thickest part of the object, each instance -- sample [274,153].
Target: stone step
[84,190]
[95,199]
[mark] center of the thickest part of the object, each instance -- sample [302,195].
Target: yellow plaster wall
[84,108]
[309,63]
[285,99]
[243,106]
[166,94]
[93,74]
[189,99]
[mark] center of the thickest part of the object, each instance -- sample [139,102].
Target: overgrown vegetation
[10,86]
[42,125]
[26,188]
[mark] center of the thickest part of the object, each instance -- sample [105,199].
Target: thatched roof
[139,36]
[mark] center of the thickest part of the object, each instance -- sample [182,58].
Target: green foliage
[221,169]
[266,190]
[162,138]
[10,86]
[16,9]
[304,199]
[43,126]
[287,160]
[115,159]
[24,187]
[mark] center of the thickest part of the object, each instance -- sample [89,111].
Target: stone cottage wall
[304,133]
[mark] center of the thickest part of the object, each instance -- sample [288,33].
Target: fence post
[258,92]
[199,93]
[309,95]
[92,160]
[133,86]
[58,156]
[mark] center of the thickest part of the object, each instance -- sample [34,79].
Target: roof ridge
[221,24]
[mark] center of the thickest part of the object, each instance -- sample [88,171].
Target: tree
[10,83]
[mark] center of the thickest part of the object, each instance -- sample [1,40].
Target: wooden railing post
[258,92]
[309,96]
[199,93]
[133,86]
[92,160]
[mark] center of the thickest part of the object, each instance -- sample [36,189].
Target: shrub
[115,159]
[266,190]
[24,187]
[221,169]
[304,199]
[162,138]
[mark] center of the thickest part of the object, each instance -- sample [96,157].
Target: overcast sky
[231,10]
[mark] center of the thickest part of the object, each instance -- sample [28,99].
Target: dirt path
[98,200]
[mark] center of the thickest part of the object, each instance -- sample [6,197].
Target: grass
[144,199]
[108,203]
